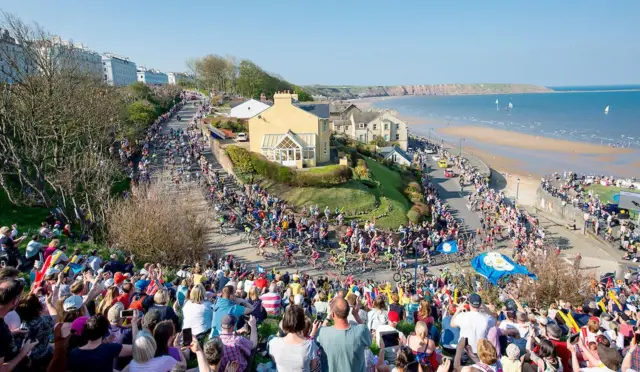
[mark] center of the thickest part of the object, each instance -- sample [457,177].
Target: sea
[570,113]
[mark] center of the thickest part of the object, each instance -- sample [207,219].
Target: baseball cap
[118,278]
[227,322]
[72,303]
[108,283]
[393,317]
[78,325]
[141,285]
[475,300]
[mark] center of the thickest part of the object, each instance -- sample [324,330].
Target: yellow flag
[455,296]
[569,321]
[613,296]
[601,304]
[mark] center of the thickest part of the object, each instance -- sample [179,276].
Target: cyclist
[262,243]
[288,254]
[314,257]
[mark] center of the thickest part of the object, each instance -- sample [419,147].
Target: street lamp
[517,189]
[430,129]
[460,146]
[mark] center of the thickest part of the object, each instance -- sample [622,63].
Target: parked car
[242,137]
[449,173]
[435,158]
[430,151]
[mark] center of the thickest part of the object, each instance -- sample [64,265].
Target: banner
[495,266]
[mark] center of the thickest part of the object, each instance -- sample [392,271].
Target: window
[326,147]
[386,126]
[361,126]
[397,126]
[362,138]
[324,125]
[374,137]
[397,136]
[375,126]
[386,137]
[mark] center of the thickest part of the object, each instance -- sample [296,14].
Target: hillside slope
[349,92]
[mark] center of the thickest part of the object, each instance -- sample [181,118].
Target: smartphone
[126,313]
[573,339]
[23,327]
[187,337]
[321,316]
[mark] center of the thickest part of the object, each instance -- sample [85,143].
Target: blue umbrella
[495,266]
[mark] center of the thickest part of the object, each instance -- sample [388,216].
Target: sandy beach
[530,142]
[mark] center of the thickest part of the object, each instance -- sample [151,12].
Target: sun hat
[141,285]
[72,303]
[611,358]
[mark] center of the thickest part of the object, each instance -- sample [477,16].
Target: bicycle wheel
[406,276]
[397,276]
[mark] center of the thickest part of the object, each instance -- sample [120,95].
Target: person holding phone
[294,352]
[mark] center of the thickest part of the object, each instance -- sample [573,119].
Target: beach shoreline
[491,140]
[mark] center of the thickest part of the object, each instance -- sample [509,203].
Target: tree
[302,95]
[141,113]
[145,224]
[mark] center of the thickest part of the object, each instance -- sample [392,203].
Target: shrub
[333,176]
[363,171]
[241,158]
[421,208]
[413,216]
[284,174]
[406,327]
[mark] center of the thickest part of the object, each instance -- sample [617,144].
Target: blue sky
[366,42]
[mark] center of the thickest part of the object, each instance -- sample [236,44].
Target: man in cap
[474,324]
[554,334]
[237,348]
[228,304]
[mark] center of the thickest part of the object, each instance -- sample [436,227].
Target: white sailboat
[497,107]
[510,105]
[606,110]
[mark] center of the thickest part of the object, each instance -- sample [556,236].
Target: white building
[118,70]
[396,155]
[13,64]
[248,109]
[75,57]
[171,77]
[153,77]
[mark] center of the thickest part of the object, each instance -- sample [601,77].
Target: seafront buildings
[16,62]
[118,70]
[369,126]
[151,76]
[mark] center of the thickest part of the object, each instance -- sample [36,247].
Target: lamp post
[460,146]
[430,129]
[517,189]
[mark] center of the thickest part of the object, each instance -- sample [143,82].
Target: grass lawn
[323,169]
[354,196]
[27,218]
[606,193]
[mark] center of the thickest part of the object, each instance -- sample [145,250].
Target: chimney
[263,98]
[282,98]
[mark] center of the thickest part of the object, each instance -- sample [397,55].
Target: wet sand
[528,141]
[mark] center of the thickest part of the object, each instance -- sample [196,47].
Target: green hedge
[247,162]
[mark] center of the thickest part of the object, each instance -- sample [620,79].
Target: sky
[353,42]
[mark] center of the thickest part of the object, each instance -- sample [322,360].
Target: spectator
[450,335]
[10,353]
[39,328]
[160,303]
[546,358]
[405,361]
[237,348]
[392,351]
[197,313]
[10,246]
[378,315]
[294,352]
[395,305]
[413,308]
[110,299]
[554,333]
[209,359]
[52,247]
[320,303]
[261,283]
[424,314]
[351,300]
[474,325]
[343,345]
[511,362]
[96,353]
[488,358]
[271,301]
[166,341]
[255,301]
[228,304]
[117,332]
[423,347]
[144,349]
[34,250]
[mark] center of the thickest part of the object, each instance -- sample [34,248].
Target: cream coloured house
[368,126]
[294,134]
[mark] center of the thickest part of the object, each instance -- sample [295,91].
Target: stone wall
[557,207]
[218,151]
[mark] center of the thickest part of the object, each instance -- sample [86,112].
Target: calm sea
[576,116]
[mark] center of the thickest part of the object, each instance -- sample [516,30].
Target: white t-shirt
[289,357]
[197,317]
[248,284]
[163,363]
[474,326]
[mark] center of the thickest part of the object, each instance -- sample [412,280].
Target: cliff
[350,92]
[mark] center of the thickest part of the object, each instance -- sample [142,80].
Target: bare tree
[147,222]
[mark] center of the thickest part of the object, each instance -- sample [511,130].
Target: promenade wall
[558,207]
[217,149]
